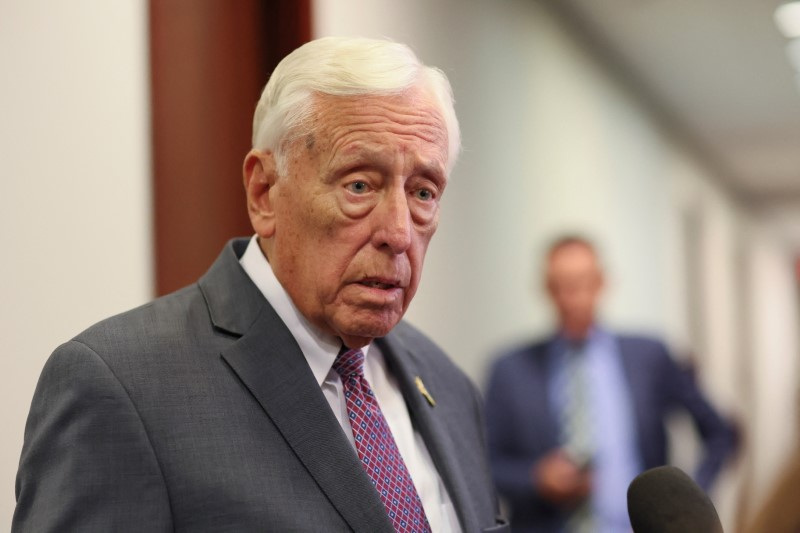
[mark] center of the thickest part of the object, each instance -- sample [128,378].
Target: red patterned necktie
[377,449]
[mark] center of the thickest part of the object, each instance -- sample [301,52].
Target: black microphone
[666,500]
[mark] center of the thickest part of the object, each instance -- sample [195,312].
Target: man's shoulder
[640,342]
[158,315]
[137,346]
[174,316]
[645,354]
[165,329]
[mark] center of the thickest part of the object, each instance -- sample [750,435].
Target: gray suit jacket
[198,412]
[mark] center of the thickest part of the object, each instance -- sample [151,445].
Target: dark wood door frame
[209,61]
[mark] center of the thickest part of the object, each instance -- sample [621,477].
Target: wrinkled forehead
[379,122]
[411,114]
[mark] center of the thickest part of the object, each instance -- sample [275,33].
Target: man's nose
[393,223]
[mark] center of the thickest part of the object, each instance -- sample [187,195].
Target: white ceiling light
[787,18]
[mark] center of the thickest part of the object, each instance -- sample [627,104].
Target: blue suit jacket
[522,428]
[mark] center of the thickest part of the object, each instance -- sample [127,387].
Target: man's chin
[358,333]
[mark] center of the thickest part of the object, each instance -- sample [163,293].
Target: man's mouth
[378,284]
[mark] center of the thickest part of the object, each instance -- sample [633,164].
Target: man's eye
[357,187]
[424,194]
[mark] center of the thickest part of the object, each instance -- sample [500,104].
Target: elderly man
[575,417]
[282,391]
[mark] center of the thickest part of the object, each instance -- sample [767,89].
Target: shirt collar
[319,348]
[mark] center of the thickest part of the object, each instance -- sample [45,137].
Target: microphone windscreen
[666,500]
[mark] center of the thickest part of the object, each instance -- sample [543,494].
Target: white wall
[553,144]
[773,430]
[74,191]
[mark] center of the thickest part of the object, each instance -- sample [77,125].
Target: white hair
[343,66]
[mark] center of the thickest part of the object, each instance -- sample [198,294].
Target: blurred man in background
[282,391]
[572,419]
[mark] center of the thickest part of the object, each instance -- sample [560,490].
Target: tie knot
[349,362]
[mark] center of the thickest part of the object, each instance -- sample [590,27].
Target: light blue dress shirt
[616,460]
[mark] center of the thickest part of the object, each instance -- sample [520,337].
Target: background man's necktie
[577,429]
[377,449]
[576,423]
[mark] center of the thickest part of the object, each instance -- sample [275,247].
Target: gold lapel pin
[424,391]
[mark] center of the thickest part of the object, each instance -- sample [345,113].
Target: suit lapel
[545,359]
[268,361]
[405,369]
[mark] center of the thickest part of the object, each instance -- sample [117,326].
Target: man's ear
[260,174]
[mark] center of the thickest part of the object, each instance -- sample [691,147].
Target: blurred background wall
[75,215]
[555,139]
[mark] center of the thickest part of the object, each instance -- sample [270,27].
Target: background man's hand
[560,480]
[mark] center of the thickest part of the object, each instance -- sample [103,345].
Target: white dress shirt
[320,350]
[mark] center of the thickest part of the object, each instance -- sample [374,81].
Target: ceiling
[716,73]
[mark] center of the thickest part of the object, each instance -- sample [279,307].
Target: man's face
[351,221]
[574,282]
